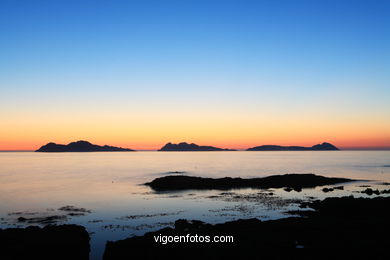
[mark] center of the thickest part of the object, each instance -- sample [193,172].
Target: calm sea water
[110,186]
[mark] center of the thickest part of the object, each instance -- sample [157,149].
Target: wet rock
[265,199]
[50,242]
[295,181]
[360,223]
[76,214]
[174,172]
[95,221]
[24,213]
[74,209]
[50,216]
[370,191]
[151,215]
[44,220]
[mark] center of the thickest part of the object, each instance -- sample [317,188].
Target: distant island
[85,146]
[80,146]
[183,147]
[317,147]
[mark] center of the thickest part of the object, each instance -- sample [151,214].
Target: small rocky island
[318,147]
[80,146]
[186,147]
[293,181]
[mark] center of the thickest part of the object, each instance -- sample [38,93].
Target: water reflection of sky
[108,184]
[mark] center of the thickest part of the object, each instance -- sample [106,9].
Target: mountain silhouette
[317,147]
[80,146]
[182,147]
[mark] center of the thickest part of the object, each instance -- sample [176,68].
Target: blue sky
[240,57]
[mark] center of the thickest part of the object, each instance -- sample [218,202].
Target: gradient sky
[232,74]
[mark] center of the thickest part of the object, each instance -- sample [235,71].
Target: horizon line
[363,148]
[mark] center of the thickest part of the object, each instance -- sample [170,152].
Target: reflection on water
[107,186]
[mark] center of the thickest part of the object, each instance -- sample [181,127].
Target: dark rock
[317,147]
[339,188]
[288,189]
[80,146]
[74,209]
[50,242]
[359,223]
[370,191]
[183,147]
[175,172]
[294,181]
[327,189]
[52,219]
[76,214]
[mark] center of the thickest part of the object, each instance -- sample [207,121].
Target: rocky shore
[49,242]
[335,227]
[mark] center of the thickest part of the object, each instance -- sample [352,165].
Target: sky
[233,74]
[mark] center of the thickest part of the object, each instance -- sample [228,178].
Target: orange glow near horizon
[235,128]
[152,136]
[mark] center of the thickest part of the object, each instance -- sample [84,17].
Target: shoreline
[345,224]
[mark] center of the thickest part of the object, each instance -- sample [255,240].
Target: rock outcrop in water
[317,147]
[80,146]
[339,228]
[186,147]
[294,181]
[50,242]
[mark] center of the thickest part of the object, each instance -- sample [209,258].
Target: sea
[108,197]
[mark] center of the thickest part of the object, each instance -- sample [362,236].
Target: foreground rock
[339,228]
[186,147]
[370,191]
[317,147]
[50,242]
[293,181]
[80,146]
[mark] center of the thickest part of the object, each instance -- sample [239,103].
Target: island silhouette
[85,146]
[318,147]
[80,146]
[184,147]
